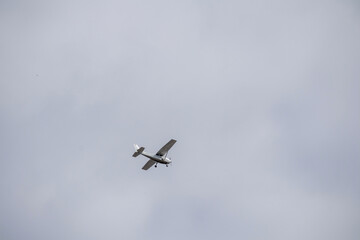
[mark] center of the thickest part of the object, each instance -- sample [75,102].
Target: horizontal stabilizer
[136,154]
[138,151]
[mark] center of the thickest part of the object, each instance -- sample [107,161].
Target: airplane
[159,157]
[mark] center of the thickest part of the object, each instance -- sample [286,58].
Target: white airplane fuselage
[157,158]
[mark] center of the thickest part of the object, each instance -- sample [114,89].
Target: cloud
[262,98]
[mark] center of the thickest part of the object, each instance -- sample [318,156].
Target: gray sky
[262,96]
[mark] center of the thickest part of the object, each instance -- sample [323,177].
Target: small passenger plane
[159,157]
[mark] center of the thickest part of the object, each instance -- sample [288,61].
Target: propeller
[170,162]
[169,158]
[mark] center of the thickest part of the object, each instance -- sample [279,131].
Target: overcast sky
[263,98]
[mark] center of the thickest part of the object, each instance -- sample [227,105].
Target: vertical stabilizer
[136,147]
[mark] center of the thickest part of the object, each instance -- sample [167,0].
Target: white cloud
[262,98]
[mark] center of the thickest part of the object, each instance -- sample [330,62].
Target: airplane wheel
[166,165]
[155,166]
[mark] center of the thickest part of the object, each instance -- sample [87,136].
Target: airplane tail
[138,150]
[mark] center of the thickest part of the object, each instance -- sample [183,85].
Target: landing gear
[166,165]
[155,165]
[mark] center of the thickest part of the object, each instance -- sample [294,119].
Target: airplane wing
[148,165]
[166,148]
